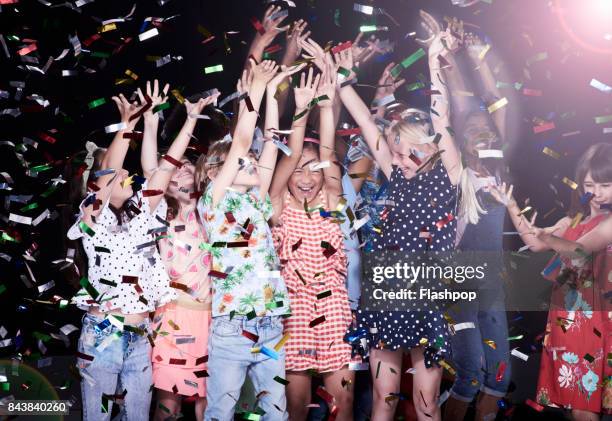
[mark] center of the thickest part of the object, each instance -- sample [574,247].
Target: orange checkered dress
[314,269]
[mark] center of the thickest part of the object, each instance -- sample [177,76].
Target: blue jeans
[230,359]
[121,362]
[476,362]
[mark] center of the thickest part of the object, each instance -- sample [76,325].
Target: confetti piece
[366,10]
[281,380]
[115,127]
[600,86]
[516,353]
[497,105]
[213,69]
[551,153]
[538,57]
[603,119]
[543,127]
[570,183]
[316,321]
[534,405]
[148,34]
[96,103]
[490,153]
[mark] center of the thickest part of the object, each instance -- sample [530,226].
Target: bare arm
[243,135]
[266,34]
[303,95]
[148,155]
[440,109]
[161,178]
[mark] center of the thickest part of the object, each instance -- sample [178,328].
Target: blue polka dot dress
[418,221]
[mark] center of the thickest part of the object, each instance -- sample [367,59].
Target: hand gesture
[363,54]
[194,109]
[264,71]
[327,85]
[344,59]
[285,72]
[387,84]
[271,26]
[443,44]
[315,52]
[431,26]
[126,110]
[503,194]
[155,97]
[295,36]
[473,45]
[305,92]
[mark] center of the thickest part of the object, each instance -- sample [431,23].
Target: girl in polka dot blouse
[418,156]
[126,279]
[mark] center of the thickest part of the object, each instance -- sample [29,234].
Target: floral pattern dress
[576,365]
[245,269]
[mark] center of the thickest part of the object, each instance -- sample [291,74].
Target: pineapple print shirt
[245,270]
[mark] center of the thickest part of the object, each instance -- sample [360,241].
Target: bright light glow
[603,6]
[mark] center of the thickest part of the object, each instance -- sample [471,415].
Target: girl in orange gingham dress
[306,193]
[314,269]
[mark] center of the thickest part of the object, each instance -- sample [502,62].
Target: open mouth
[307,191]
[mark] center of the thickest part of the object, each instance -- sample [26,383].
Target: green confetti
[160,107]
[96,103]
[29,207]
[603,119]
[213,69]
[2,288]
[414,86]
[368,28]
[41,168]
[337,18]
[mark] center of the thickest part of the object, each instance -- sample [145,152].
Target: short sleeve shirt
[125,271]
[245,269]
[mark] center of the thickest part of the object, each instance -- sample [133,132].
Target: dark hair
[73,195]
[597,160]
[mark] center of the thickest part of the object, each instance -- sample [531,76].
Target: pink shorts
[181,349]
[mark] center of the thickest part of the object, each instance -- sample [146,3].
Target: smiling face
[477,134]
[121,191]
[406,151]
[305,183]
[601,191]
[182,182]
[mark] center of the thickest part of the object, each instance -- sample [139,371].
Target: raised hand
[285,72]
[431,26]
[126,110]
[314,51]
[327,85]
[363,54]
[444,43]
[155,96]
[264,71]
[305,92]
[503,194]
[295,36]
[473,44]
[271,26]
[344,59]
[194,109]
[387,84]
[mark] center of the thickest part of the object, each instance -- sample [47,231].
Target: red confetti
[27,50]
[250,335]
[348,132]
[500,371]
[175,162]
[316,321]
[230,217]
[178,361]
[341,47]
[257,25]
[150,193]
[442,222]
[544,127]
[534,405]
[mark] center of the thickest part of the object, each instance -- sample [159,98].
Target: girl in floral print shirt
[249,296]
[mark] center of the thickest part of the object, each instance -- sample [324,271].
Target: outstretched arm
[243,135]
[161,178]
[266,33]
[441,46]
[331,173]
[267,161]
[304,94]
[148,154]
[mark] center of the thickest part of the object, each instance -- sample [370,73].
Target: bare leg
[455,410]
[486,407]
[582,415]
[168,399]
[426,387]
[200,407]
[298,394]
[387,382]
[344,395]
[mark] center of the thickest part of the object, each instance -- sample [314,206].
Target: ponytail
[469,206]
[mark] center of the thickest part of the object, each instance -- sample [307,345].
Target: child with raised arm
[423,191]
[181,327]
[574,372]
[249,296]
[126,279]
[307,186]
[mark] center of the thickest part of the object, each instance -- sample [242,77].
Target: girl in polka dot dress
[126,279]
[306,186]
[419,158]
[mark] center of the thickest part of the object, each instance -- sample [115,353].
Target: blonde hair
[416,124]
[211,161]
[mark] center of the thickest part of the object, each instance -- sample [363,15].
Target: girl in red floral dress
[576,365]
